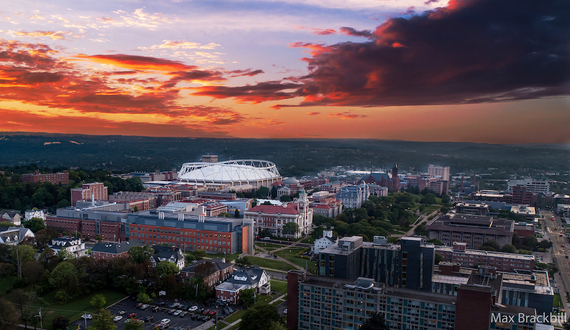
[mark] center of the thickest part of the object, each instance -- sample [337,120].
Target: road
[559,254]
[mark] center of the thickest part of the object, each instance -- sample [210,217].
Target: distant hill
[292,156]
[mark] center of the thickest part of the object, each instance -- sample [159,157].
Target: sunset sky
[491,71]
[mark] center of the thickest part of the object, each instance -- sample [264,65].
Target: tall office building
[439,171]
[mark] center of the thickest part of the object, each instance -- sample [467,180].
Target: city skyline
[463,71]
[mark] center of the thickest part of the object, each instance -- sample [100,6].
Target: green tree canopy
[243,262]
[103,321]
[133,324]
[247,297]
[64,276]
[143,298]
[262,192]
[98,301]
[8,315]
[138,254]
[199,254]
[22,254]
[291,228]
[60,322]
[259,317]
[35,224]
[166,268]
[508,248]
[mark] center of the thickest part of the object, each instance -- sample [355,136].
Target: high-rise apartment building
[439,171]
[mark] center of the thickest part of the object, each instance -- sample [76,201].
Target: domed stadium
[257,173]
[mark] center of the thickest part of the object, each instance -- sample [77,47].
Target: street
[559,253]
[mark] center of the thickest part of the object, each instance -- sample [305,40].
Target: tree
[35,224]
[273,192]
[259,318]
[545,244]
[138,254]
[438,258]
[265,232]
[60,322]
[285,199]
[24,300]
[98,301]
[290,228]
[491,245]
[135,209]
[508,248]
[262,192]
[64,276]
[277,326]
[566,325]
[529,242]
[64,254]
[166,268]
[143,298]
[375,322]
[516,240]
[103,321]
[8,315]
[189,258]
[99,238]
[247,297]
[199,254]
[133,324]
[428,199]
[32,271]
[22,254]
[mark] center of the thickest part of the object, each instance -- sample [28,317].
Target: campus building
[316,302]
[474,230]
[108,250]
[89,191]
[505,262]
[274,217]
[55,178]
[407,265]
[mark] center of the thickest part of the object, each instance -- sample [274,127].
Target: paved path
[423,218]
[280,259]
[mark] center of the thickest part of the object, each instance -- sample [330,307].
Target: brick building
[274,217]
[218,271]
[88,191]
[55,178]
[505,262]
[105,250]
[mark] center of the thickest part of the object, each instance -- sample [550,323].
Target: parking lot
[159,310]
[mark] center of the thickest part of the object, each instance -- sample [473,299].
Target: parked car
[122,312]
[206,311]
[182,314]
[161,303]
[87,316]
[193,308]
[117,318]
[139,305]
[165,321]
[213,312]
[172,311]
[285,311]
[149,319]
[145,306]
[230,309]
[155,309]
[132,315]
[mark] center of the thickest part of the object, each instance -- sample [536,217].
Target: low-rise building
[241,279]
[353,197]
[55,178]
[35,213]
[89,191]
[15,235]
[474,230]
[11,216]
[73,245]
[275,217]
[213,271]
[324,242]
[166,253]
[104,250]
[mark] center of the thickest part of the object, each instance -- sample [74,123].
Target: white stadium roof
[236,171]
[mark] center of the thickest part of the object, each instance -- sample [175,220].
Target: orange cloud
[346,115]
[53,35]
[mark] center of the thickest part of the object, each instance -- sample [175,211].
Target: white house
[324,242]
[15,235]
[35,213]
[73,245]
[166,253]
[247,278]
[11,216]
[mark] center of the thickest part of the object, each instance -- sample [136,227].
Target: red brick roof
[322,206]
[274,209]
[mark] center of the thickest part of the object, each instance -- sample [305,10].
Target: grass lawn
[229,257]
[557,300]
[234,327]
[270,263]
[392,239]
[269,246]
[431,208]
[235,316]
[74,309]
[6,284]
[309,240]
[279,286]
[290,254]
